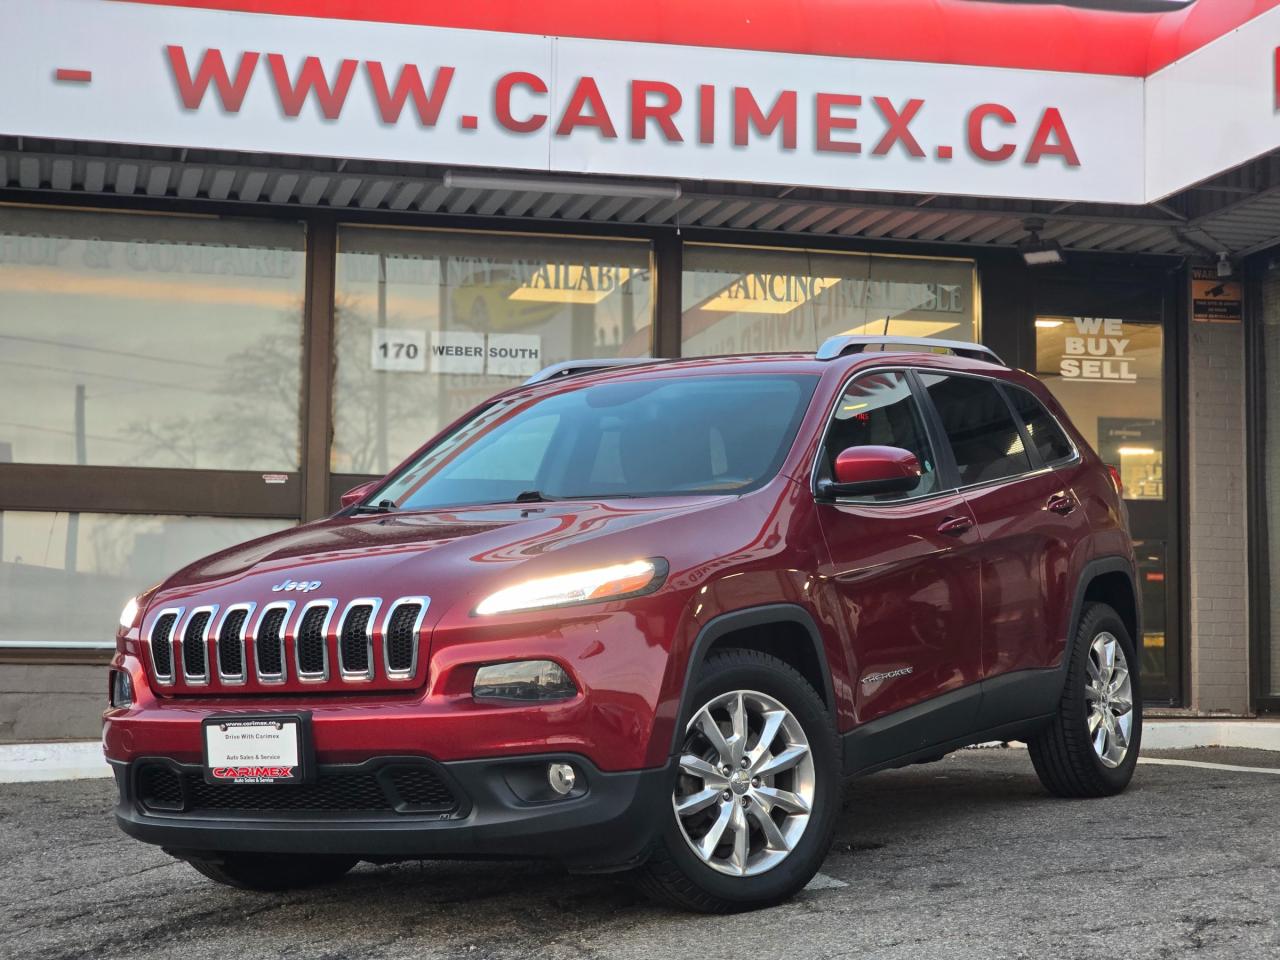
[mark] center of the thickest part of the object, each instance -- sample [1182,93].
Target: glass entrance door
[1108,371]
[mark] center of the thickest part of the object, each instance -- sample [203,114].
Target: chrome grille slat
[195,645]
[400,640]
[231,643]
[162,643]
[268,642]
[311,640]
[355,638]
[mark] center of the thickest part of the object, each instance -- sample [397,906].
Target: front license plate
[255,750]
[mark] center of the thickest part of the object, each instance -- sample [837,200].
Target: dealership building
[254,252]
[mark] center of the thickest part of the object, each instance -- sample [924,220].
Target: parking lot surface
[965,858]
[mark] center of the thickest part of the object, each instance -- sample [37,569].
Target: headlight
[586,586]
[523,680]
[129,614]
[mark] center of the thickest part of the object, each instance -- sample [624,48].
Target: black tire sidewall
[1099,618]
[743,671]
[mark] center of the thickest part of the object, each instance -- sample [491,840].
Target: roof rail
[834,347]
[571,368]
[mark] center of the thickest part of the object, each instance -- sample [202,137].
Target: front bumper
[609,821]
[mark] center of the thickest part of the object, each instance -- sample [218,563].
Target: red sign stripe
[64,75]
[1033,36]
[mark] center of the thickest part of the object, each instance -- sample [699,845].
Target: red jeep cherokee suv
[644,615]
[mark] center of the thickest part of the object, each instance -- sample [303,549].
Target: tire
[754,685]
[1066,754]
[272,871]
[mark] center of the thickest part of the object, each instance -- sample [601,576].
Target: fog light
[523,680]
[562,777]
[121,689]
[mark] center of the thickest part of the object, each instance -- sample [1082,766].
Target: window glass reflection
[1108,373]
[432,323]
[1151,556]
[149,341]
[748,300]
[64,577]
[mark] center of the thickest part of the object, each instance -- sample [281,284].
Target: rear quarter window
[1045,433]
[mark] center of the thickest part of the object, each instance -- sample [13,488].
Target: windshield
[641,438]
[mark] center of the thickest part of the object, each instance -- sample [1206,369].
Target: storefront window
[64,577]
[431,323]
[1109,375]
[749,300]
[149,341]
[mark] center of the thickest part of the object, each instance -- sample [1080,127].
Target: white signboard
[227,80]
[1215,108]
[401,351]
[514,354]
[457,351]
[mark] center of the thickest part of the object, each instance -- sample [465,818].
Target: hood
[449,555]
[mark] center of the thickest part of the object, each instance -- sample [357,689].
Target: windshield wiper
[382,506]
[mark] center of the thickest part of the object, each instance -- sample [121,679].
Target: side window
[1046,436]
[984,438]
[879,409]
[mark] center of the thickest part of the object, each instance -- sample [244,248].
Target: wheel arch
[783,630]
[1110,580]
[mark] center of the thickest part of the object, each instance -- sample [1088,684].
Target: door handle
[1061,503]
[954,526]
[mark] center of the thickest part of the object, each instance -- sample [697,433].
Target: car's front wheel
[272,871]
[756,795]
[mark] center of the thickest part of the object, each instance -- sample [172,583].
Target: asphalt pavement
[965,858]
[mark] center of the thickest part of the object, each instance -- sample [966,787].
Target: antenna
[886,325]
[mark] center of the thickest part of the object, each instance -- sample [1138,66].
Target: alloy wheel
[1109,693]
[747,783]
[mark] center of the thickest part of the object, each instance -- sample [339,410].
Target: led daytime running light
[585,586]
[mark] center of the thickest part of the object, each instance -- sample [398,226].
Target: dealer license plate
[254,750]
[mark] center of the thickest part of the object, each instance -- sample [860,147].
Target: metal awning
[1237,213]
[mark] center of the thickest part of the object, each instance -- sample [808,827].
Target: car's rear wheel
[755,798]
[272,871]
[1091,747]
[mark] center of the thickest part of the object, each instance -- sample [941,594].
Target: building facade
[258,251]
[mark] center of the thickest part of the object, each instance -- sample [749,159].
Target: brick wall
[41,702]
[1217,544]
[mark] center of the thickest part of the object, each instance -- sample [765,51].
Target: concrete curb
[82,759]
[38,762]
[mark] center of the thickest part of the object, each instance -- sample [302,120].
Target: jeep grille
[247,648]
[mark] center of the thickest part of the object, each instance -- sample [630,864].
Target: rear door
[904,567]
[1030,521]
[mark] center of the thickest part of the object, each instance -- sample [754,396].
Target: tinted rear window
[984,437]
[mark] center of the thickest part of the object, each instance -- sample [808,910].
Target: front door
[904,566]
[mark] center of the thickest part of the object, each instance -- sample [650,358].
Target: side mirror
[356,494]
[863,471]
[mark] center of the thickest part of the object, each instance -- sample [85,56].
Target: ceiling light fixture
[1036,252]
[586,188]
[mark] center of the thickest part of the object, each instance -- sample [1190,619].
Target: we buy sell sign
[312,85]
